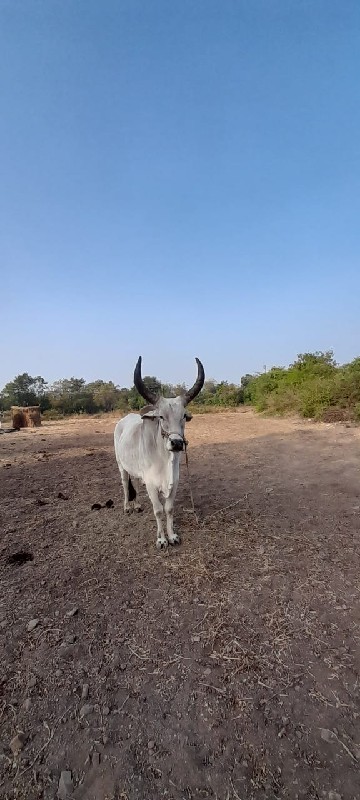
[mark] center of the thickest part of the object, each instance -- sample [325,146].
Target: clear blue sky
[178,179]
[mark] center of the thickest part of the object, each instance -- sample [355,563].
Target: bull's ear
[148,412]
[188,416]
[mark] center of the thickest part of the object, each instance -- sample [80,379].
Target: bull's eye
[160,417]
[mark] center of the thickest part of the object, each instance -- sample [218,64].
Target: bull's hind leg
[130,495]
[161,540]
[127,486]
[133,495]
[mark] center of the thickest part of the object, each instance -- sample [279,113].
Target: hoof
[161,544]
[175,539]
[128,510]
[138,509]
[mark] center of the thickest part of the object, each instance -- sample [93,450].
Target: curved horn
[146,393]
[199,383]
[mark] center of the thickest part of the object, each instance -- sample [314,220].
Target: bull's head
[170,413]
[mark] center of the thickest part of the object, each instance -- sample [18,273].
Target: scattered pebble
[95,759]
[151,745]
[72,612]
[106,711]
[326,734]
[85,691]
[18,742]
[65,787]
[66,650]
[70,639]
[27,704]
[207,671]
[32,625]
[195,638]
[86,710]
[32,682]
[334,796]
[58,673]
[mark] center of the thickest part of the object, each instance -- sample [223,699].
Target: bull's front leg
[161,540]
[173,537]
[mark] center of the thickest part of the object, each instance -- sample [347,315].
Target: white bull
[148,447]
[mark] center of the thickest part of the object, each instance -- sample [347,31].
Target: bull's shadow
[306,474]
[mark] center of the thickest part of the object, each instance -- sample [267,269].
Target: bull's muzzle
[176,445]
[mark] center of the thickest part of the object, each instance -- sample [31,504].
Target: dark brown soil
[226,668]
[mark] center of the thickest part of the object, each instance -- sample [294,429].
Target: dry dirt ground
[225,668]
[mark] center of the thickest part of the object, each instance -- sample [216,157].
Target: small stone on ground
[32,625]
[18,742]
[65,787]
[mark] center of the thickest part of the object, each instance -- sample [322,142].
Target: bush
[313,386]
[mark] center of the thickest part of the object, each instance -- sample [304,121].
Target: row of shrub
[313,386]
[75,396]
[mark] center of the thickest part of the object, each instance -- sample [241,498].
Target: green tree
[245,380]
[25,390]
[134,398]
[123,400]
[319,363]
[71,396]
[208,394]
[68,386]
[228,394]
[105,394]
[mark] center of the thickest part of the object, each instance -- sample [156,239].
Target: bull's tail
[131,490]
